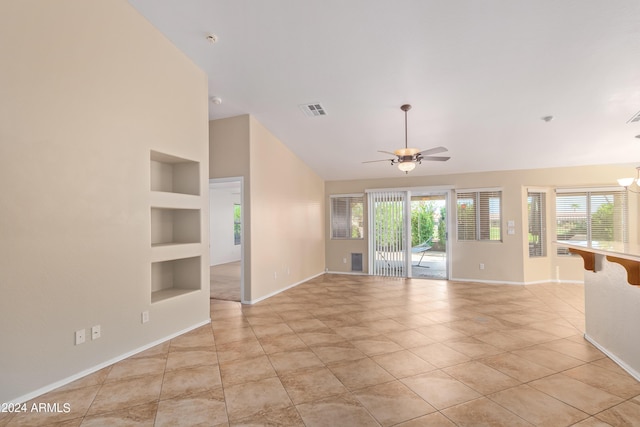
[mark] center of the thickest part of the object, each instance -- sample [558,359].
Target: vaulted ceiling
[480,76]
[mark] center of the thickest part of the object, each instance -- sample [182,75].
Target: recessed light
[216,100]
[638,136]
[547,118]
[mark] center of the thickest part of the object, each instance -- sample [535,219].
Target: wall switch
[275,274]
[344,260]
[80,336]
[95,332]
[481,266]
[145,316]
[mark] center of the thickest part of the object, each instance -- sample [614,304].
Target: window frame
[348,216]
[482,213]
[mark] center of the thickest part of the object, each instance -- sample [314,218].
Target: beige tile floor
[224,281]
[359,351]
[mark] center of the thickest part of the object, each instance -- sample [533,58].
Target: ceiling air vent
[635,118]
[314,109]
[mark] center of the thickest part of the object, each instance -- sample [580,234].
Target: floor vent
[313,110]
[356,262]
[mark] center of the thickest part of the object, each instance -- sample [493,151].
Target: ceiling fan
[407,158]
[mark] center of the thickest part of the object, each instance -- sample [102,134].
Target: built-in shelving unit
[176,235]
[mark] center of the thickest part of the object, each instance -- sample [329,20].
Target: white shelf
[165,294]
[163,199]
[173,174]
[176,232]
[175,226]
[175,277]
[167,252]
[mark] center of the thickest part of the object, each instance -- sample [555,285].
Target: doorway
[408,233]
[429,236]
[226,218]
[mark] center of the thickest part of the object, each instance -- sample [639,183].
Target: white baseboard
[65,381]
[262,298]
[635,374]
[487,282]
[351,273]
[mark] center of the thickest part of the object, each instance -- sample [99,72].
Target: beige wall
[284,239]
[506,261]
[229,141]
[287,216]
[88,89]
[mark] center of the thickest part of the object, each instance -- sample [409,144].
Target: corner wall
[284,238]
[88,89]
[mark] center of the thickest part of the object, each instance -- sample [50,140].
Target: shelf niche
[174,226]
[174,277]
[172,174]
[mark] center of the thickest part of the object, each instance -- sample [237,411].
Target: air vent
[313,110]
[635,118]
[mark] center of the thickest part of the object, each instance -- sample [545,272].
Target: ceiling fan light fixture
[406,152]
[406,166]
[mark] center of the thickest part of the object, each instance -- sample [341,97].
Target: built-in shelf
[174,277]
[172,174]
[176,232]
[174,226]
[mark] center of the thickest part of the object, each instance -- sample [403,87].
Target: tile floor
[362,351]
[224,281]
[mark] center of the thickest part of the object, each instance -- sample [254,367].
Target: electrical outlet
[145,316]
[344,260]
[80,338]
[481,266]
[95,332]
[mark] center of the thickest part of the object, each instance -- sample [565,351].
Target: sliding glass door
[408,234]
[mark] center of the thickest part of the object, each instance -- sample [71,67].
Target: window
[479,215]
[347,217]
[586,216]
[537,208]
[237,213]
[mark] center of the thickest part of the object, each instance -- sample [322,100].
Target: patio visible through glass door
[428,236]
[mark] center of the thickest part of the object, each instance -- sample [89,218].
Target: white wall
[88,90]
[222,199]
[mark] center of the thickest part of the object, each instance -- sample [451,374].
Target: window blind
[537,208]
[347,217]
[589,216]
[479,215]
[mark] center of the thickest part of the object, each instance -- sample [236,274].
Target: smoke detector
[212,38]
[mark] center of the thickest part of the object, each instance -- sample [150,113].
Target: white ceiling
[479,74]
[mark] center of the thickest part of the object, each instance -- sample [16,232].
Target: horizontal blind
[347,217]
[466,210]
[339,217]
[479,215]
[591,216]
[490,208]
[537,208]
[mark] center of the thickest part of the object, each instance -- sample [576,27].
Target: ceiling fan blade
[383,160]
[435,150]
[386,152]
[436,158]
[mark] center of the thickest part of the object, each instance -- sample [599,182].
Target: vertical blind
[479,215]
[590,216]
[387,249]
[537,211]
